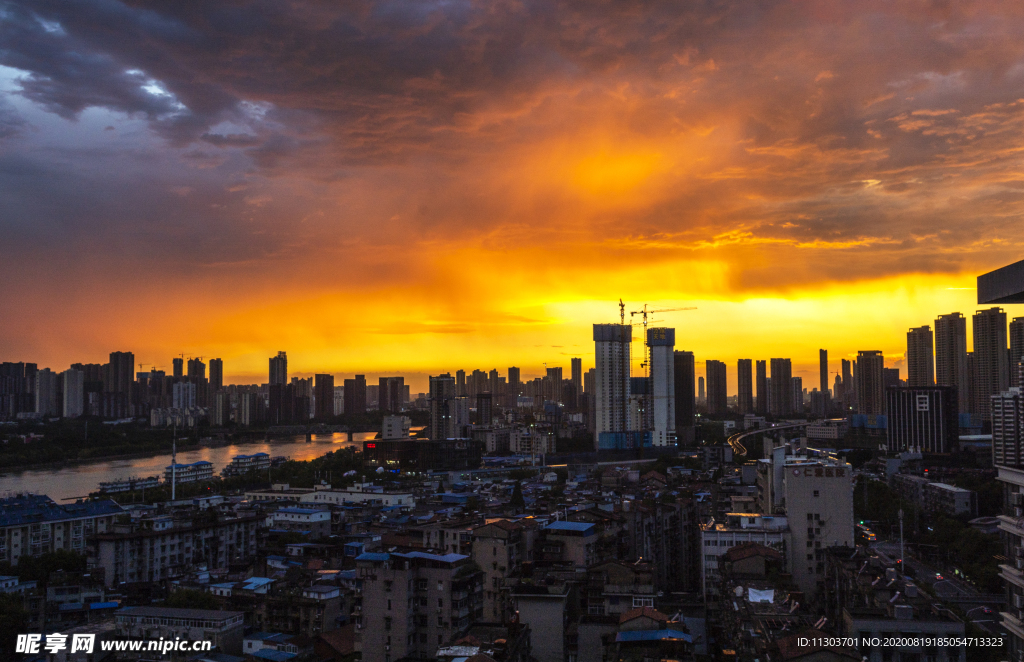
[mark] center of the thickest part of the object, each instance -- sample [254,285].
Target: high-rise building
[781,396]
[73,392]
[951,357]
[576,372]
[849,388]
[323,396]
[991,359]
[761,382]
[355,395]
[391,394]
[121,375]
[460,382]
[891,377]
[823,384]
[196,371]
[220,412]
[443,415]
[279,369]
[662,385]
[920,367]
[178,367]
[515,387]
[798,395]
[46,388]
[554,385]
[183,395]
[870,382]
[745,386]
[1008,432]
[718,402]
[922,418]
[216,375]
[700,389]
[484,408]
[611,361]
[683,373]
[1016,349]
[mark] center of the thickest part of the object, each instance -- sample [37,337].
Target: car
[938,577]
[986,610]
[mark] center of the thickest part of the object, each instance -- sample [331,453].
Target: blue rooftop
[373,556]
[300,511]
[570,526]
[652,635]
[35,508]
[273,655]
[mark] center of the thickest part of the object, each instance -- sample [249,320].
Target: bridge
[736,440]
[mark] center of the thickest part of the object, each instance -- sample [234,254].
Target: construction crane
[645,399]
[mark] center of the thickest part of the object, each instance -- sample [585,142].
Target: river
[81,479]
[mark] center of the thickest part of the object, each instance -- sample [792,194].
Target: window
[440,603]
[816,493]
[643,602]
[810,544]
[810,516]
[440,586]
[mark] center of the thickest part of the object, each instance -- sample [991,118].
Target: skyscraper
[355,395]
[46,388]
[74,392]
[553,385]
[216,375]
[745,386]
[460,382]
[991,359]
[662,386]
[700,388]
[279,369]
[323,396]
[514,386]
[443,417]
[718,402]
[196,371]
[951,357]
[611,361]
[121,375]
[920,368]
[849,388]
[781,397]
[823,384]
[1016,349]
[390,394]
[870,382]
[576,372]
[178,367]
[761,382]
[798,394]
[683,373]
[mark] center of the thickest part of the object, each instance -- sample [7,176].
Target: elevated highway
[736,440]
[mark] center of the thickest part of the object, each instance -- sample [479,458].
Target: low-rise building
[31,525]
[313,522]
[738,528]
[223,628]
[950,500]
[189,473]
[152,549]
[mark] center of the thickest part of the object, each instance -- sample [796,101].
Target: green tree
[191,599]
[13,621]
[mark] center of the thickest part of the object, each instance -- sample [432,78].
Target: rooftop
[34,508]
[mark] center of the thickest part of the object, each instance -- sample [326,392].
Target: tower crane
[646,397]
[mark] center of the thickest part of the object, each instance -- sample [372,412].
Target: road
[949,589]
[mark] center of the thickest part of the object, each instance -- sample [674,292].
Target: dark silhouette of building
[781,397]
[991,359]
[484,410]
[279,368]
[391,394]
[718,402]
[178,367]
[920,365]
[216,375]
[355,395]
[323,397]
[761,383]
[744,386]
[951,357]
[924,418]
[870,382]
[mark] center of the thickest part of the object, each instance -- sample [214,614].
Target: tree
[518,502]
[191,599]
[13,621]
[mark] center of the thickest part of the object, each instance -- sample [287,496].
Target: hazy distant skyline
[383,187]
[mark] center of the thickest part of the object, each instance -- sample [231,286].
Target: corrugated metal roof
[652,635]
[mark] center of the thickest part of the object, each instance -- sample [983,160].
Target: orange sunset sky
[410,188]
